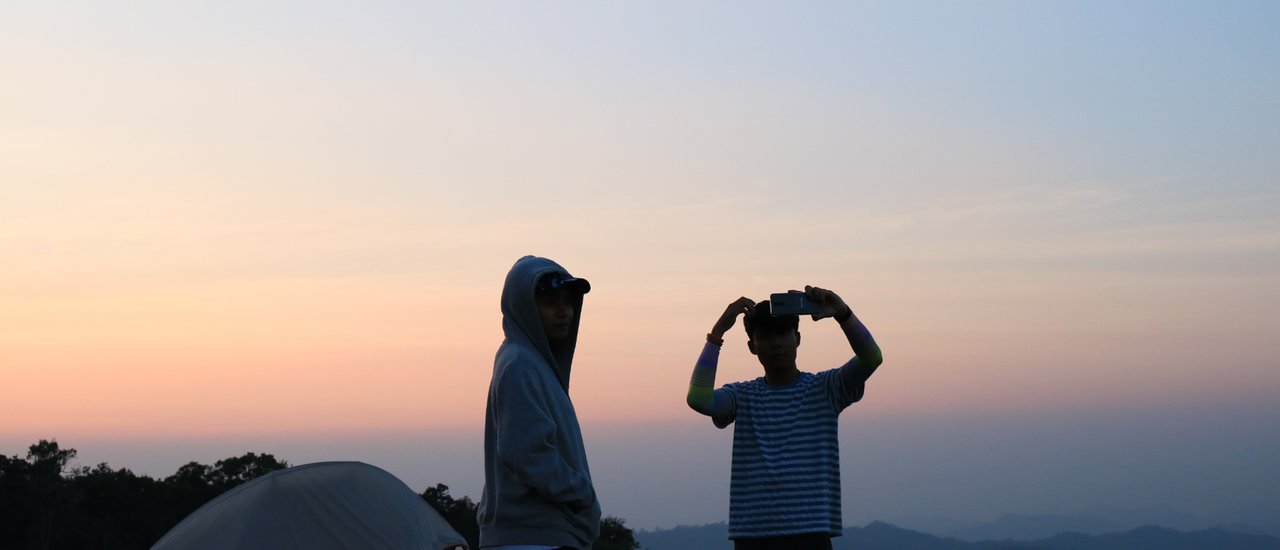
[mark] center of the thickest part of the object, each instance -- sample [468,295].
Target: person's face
[556,310]
[776,349]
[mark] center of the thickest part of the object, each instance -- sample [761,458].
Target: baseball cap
[558,280]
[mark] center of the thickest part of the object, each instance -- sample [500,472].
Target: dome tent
[320,506]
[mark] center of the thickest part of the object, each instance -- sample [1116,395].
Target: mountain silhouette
[1033,527]
[879,535]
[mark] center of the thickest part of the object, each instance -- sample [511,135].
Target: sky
[283,227]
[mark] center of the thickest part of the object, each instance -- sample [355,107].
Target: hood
[520,320]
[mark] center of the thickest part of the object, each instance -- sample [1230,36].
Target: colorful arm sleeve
[703,397]
[866,355]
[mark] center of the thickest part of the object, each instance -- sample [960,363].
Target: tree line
[45,503]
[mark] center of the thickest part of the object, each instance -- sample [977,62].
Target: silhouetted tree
[118,509]
[43,504]
[614,535]
[229,472]
[15,507]
[49,493]
[460,513]
[189,488]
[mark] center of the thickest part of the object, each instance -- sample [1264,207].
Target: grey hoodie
[537,487]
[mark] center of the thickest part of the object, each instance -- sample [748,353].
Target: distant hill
[879,535]
[1160,538]
[686,537]
[883,536]
[874,535]
[1033,527]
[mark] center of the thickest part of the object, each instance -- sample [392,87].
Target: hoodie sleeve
[527,442]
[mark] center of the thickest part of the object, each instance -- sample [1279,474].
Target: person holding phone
[537,493]
[784,489]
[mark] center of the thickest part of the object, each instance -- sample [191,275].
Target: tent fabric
[320,506]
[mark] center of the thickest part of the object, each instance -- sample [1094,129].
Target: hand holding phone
[792,303]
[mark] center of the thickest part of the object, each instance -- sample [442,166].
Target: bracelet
[714,340]
[848,312]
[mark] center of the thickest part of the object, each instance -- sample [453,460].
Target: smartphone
[792,303]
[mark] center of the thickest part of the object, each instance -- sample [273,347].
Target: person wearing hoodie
[537,486]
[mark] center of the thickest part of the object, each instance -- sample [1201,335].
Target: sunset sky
[230,227]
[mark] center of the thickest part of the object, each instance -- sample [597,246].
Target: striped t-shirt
[786,457]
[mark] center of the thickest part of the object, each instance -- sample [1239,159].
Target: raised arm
[866,353]
[703,397]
